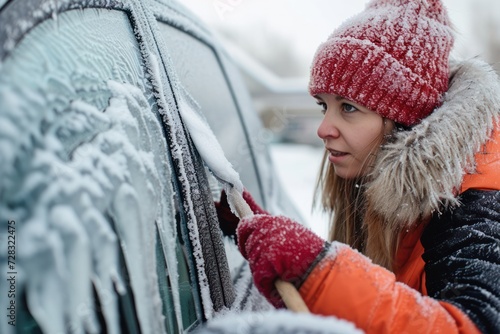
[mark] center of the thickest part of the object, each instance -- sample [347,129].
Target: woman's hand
[277,247]
[228,221]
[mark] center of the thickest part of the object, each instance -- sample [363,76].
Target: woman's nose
[328,127]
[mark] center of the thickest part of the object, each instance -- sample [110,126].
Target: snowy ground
[297,167]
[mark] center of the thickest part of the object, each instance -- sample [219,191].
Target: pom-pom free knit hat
[391,58]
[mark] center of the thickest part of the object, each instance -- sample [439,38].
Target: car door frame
[198,210]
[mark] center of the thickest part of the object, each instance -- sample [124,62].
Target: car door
[111,204]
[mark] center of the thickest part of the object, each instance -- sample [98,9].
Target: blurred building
[283,103]
[486,31]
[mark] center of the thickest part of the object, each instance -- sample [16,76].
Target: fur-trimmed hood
[420,170]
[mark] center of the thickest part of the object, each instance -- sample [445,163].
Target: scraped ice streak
[206,143]
[212,154]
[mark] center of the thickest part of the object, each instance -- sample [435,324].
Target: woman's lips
[337,153]
[336,156]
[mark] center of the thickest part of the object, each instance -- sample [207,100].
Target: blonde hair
[353,220]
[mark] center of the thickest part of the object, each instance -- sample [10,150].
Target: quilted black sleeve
[462,258]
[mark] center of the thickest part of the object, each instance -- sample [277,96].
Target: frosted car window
[86,176]
[200,73]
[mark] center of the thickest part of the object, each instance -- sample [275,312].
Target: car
[106,206]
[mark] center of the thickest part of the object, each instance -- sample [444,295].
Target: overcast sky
[305,24]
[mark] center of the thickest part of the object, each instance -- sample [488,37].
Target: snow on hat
[391,58]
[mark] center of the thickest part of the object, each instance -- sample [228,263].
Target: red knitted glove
[228,221]
[277,247]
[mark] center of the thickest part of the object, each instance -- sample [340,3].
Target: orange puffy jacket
[347,285]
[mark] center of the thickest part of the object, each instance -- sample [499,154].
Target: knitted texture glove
[228,221]
[277,247]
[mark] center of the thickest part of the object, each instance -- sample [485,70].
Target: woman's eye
[349,108]
[323,106]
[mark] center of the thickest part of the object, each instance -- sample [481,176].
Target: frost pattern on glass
[206,143]
[216,84]
[77,149]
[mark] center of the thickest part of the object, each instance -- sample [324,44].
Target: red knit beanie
[391,58]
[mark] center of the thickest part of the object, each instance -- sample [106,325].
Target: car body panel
[112,203]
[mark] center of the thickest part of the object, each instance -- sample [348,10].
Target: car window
[88,180]
[200,72]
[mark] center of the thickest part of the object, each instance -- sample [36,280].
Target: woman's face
[351,133]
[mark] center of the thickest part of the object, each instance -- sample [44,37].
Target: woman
[411,177]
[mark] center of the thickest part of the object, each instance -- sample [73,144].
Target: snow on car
[102,187]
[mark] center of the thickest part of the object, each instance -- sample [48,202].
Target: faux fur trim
[420,170]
